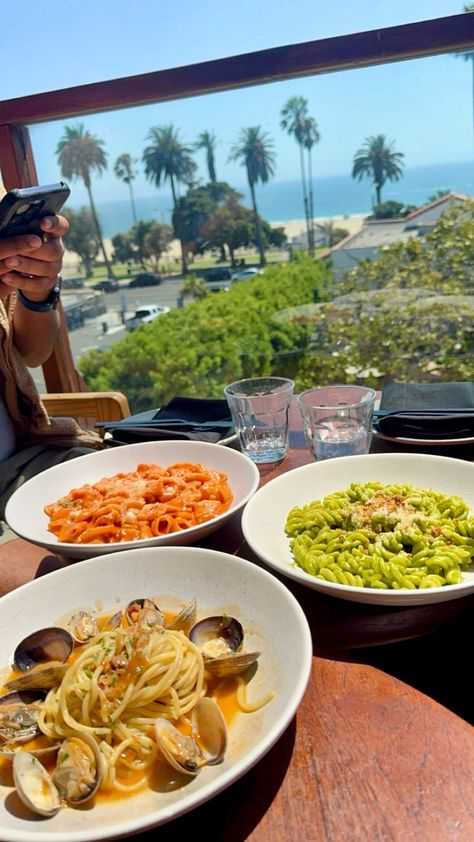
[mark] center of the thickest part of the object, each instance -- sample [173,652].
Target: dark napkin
[448,408]
[192,419]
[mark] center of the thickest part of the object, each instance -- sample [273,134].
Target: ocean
[337,195]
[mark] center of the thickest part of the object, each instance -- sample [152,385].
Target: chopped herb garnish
[89,673]
[64,757]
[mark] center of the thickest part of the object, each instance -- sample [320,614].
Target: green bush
[196,350]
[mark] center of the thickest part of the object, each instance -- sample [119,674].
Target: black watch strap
[50,303]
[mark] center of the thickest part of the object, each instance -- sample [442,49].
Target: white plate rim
[392,597]
[190,800]
[431,442]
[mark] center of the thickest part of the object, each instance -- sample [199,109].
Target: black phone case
[22,208]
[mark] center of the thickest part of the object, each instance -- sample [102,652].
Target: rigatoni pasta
[145,503]
[383,536]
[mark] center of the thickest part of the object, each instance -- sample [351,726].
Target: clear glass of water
[337,420]
[260,411]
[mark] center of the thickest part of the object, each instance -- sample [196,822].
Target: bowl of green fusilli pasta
[394,529]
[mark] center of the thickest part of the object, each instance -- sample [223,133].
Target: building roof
[380,233]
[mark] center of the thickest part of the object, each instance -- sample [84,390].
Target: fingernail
[11,262]
[7,278]
[34,242]
[47,222]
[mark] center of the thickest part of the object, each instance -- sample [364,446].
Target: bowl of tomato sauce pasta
[145,695]
[388,529]
[139,495]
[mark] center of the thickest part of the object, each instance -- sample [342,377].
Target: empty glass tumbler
[260,412]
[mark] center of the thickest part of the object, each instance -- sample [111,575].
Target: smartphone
[22,208]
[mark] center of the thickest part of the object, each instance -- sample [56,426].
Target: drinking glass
[337,420]
[260,408]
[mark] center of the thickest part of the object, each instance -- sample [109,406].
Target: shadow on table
[236,812]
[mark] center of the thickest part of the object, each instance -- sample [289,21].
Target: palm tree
[310,137]
[254,150]
[208,142]
[168,159]
[377,160]
[124,169]
[295,120]
[469,7]
[79,154]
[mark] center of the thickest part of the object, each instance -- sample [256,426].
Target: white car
[246,274]
[146,313]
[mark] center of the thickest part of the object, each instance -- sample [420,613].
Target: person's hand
[32,263]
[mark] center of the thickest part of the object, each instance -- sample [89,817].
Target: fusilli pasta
[383,536]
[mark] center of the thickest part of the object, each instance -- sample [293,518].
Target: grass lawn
[171,267]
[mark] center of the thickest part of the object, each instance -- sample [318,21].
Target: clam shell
[185,619]
[82,626]
[41,677]
[225,632]
[144,612]
[210,728]
[34,785]
[50,644]
[79,769]
[181,752]
[228,665]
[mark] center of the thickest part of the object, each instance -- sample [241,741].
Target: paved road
[92,334]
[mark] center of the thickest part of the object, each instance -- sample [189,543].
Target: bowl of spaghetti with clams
[387,529]
[139,495]
[133,676]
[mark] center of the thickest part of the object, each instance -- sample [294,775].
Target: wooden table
[381,748]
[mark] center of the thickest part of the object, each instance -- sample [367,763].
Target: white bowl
[264,518]
[25,509]
[221,583]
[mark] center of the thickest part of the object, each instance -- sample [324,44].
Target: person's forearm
[35,334]
[31,264]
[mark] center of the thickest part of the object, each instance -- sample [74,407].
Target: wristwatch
[50,303]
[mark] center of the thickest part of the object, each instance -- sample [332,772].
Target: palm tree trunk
[311,210]
[258,227]
[132,202]
[184,265]
[378,191]
[211,167]
[305,195]
[110,273]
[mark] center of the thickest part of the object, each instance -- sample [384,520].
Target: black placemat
[439,400]
[183,418]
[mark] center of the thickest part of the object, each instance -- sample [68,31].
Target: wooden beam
[364,49]
[17,162]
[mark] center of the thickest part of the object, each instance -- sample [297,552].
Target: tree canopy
[377,160]
[79,155]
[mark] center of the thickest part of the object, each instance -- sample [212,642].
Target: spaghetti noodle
[120,683]
[145,503]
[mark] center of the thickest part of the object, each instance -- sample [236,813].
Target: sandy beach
[294,228]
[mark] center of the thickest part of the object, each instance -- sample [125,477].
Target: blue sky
[425,106]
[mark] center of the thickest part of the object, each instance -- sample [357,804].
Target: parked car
[145,279]
[107,285]
[245,274]
[73,283]
[146,313]
[220,273]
